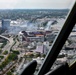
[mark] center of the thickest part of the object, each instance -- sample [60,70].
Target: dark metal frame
[59,42]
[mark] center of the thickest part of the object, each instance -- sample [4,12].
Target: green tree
[1,57]
[12,56]
[16,52]
[9,73]
[1,68]
[5,52]
[0,50]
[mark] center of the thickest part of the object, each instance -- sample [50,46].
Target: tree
[1,68]
[9,73]
[1,57]
[5,52]
[12,56]
[16,52]
[0,50]
[37,55]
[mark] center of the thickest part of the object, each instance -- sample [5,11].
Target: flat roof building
[5,24]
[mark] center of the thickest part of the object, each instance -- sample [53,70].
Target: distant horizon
[36,4]
[36,9]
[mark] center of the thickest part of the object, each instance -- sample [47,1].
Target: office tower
[5,24]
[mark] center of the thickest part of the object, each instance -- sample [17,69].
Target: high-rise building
[5,24]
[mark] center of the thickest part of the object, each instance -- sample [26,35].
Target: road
[15,46]
[5,38]
[10,67]
[19,69]
[8,45]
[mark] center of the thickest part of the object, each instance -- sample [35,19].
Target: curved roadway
[9,44]
[5,38]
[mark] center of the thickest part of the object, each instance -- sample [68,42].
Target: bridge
[9,39]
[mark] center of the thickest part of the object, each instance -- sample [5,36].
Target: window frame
[59,42]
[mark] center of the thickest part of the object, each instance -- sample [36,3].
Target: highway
[5,38]
[16,45]
[7,46]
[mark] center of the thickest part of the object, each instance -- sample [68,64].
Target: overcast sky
[36,4]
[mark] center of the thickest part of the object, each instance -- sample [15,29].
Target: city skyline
[36,4]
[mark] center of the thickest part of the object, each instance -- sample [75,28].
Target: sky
[36,4]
